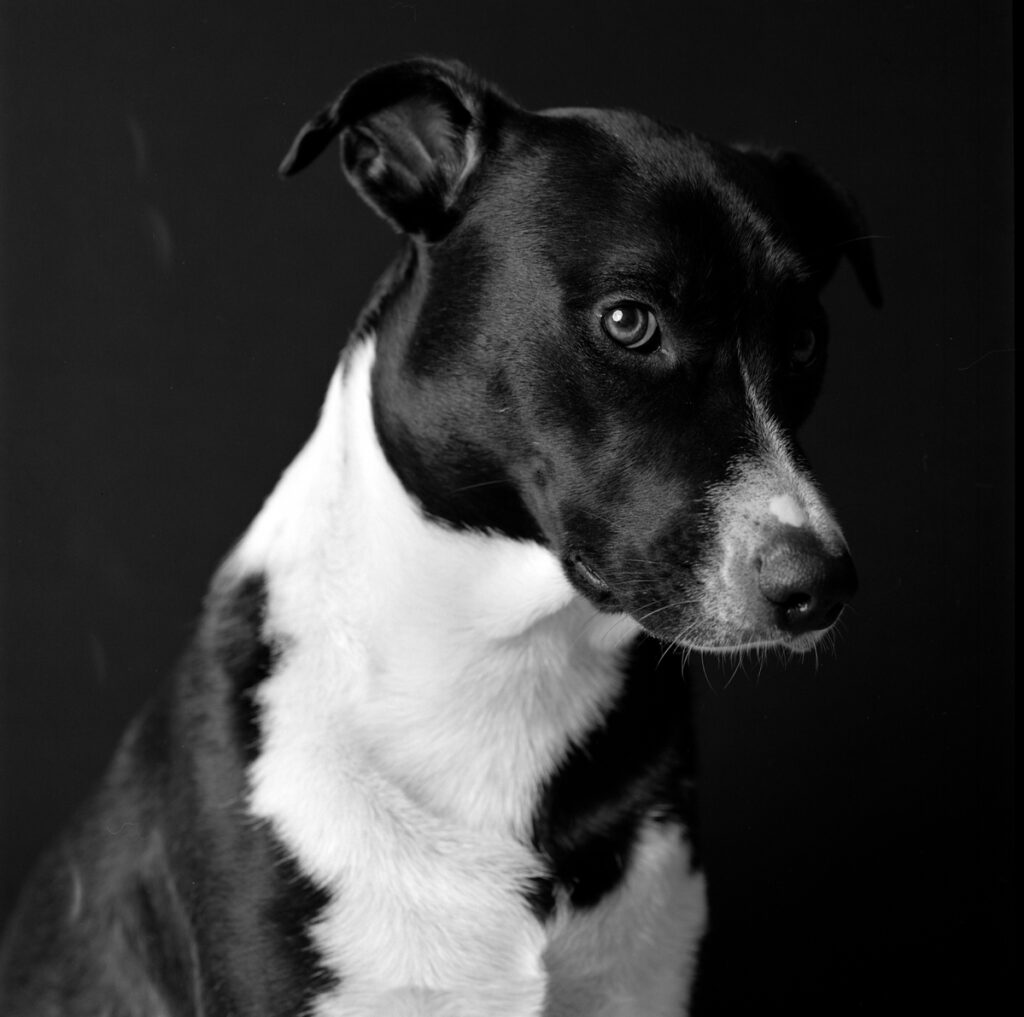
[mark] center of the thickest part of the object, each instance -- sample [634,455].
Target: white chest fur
[429,680]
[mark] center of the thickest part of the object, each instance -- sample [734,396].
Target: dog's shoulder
[135,909]
[100,925]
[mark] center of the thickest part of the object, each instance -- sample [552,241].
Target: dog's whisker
[735,671]
[474,487]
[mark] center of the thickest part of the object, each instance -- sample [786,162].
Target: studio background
[171,312]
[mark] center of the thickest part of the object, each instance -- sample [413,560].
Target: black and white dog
[428,753]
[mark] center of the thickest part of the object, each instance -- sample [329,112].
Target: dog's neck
[417,646]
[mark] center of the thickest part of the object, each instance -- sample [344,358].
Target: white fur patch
[429,680]
[787,510]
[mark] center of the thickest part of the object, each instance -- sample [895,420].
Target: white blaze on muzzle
[787,494]
[787,510]
[767,497]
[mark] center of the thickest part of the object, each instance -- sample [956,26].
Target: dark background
[170,316]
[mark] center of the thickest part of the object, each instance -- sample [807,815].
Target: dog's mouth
[751,624]
[590,580]
[729,646]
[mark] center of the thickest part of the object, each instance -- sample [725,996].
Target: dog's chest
[633,954]
[411,805]
[438,844]
[452,751]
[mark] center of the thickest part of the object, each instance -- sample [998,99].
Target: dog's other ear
[826,219]
[410,139]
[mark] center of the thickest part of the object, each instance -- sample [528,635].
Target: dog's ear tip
[291,164]
[288,167]
[308,144]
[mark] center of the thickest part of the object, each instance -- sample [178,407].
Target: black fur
[243,650]
[637,766]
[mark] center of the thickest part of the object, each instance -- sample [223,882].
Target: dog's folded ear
[410,140]
[826,220]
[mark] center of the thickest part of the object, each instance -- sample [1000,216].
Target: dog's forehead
[618,186]
[654,147]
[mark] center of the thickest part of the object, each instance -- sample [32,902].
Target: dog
[429,751]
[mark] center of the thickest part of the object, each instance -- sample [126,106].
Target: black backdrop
[170,316]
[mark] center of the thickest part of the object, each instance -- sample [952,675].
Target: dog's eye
[803,348]
[632,326]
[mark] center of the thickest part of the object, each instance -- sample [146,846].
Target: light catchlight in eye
[632,326]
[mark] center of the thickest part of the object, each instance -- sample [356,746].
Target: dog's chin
[793,644]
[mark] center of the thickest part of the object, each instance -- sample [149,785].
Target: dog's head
[602,337]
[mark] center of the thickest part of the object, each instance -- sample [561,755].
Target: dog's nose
[806,583]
